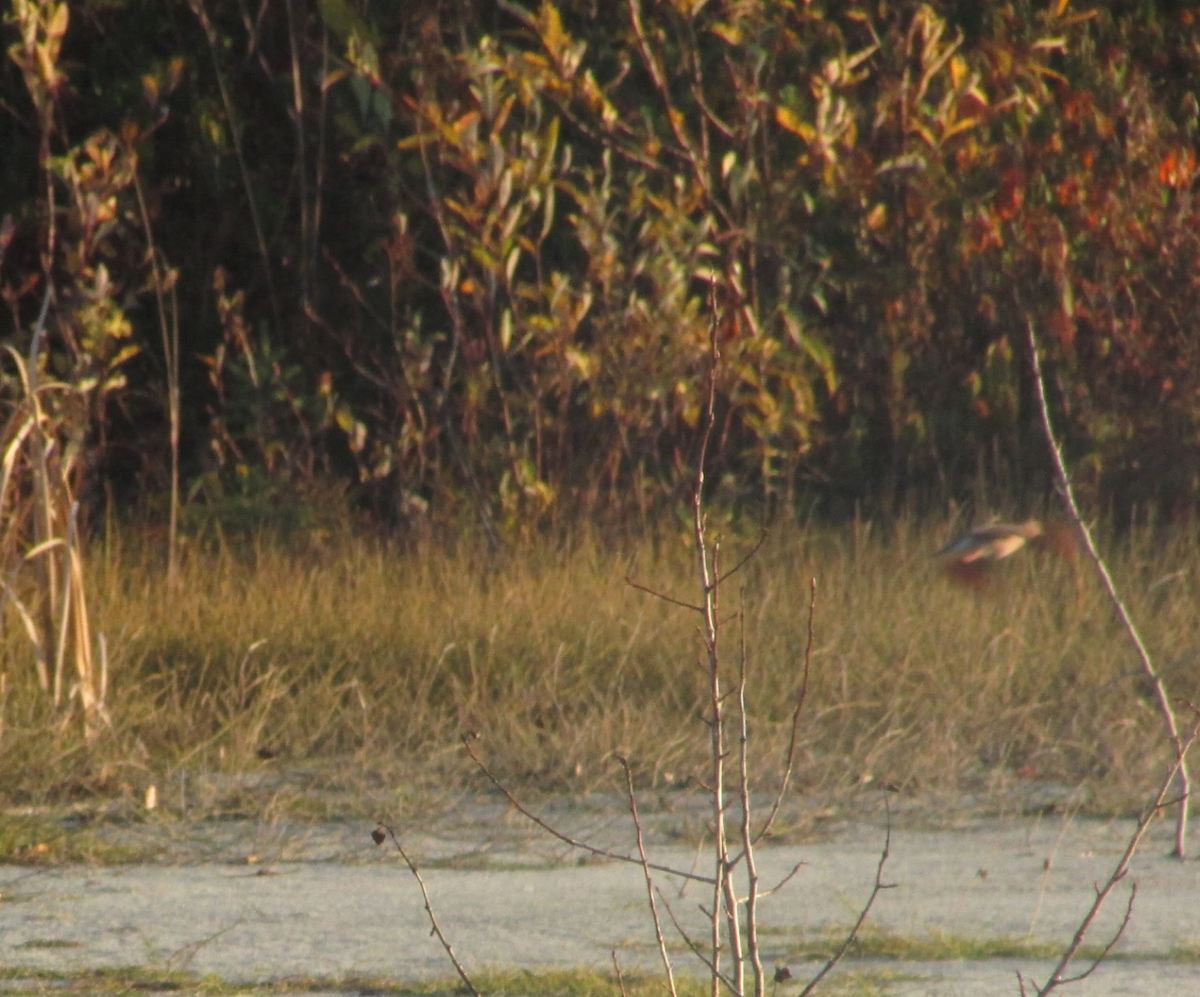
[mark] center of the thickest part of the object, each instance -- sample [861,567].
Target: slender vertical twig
[379,835]
[43,510]
[64,612]
[752,894]
[649,877]
[1162,698]
[301,153]
[615,961]
[708,565]
[235,136]
[81,632]
[169,329]
[449,289]
[790,757]
[319,172]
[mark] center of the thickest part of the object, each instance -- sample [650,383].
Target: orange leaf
[789,119]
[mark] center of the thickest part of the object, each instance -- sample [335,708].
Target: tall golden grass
[43,595]
[366,661]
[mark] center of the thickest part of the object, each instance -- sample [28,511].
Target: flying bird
[970,558]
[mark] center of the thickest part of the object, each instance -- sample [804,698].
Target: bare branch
[378,838]
[1119,872]
[752,894]
[698,952]
[1111,942]
[791,751]
[566,838]
[762,539]
[641,846]
[708,565]
[786,879]
[876,889]
[620,978]
[1147,665]
[663,596]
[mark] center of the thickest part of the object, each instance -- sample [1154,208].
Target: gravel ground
[250,902]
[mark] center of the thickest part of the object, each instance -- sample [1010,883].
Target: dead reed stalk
[42,441]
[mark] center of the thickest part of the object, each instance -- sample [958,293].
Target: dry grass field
[362,664]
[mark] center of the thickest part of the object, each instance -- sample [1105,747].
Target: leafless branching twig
[878,887]
[1057,979]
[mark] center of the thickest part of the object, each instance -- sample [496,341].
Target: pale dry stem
[649,877]
[1162,698]
[752,893]
[620,977]
[790,757]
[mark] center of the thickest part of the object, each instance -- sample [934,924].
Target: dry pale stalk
[1161,696]
[649,877]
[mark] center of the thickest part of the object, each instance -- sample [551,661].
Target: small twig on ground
[566,838]
[1163,700]
[381,834]
[641,847]
[181,959]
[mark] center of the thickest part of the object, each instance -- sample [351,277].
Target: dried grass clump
[276,655]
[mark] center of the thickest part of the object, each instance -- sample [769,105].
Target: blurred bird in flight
[970,559]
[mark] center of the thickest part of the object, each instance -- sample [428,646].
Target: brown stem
[566,838]
[717,976]
[170,340]
[876,889]
[378,837]
[1119,872]
[235,136]
[646,872]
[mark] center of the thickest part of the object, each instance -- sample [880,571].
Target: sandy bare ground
[276,902]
